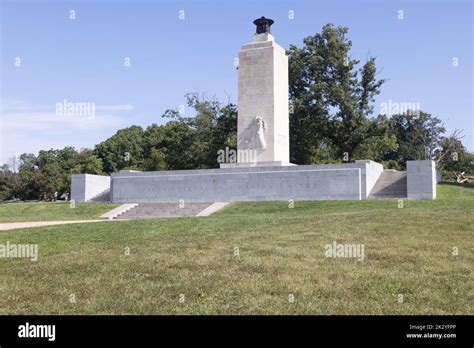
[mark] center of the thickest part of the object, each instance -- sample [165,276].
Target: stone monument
[265,174]
[263,123]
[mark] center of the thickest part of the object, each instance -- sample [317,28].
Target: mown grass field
[408,251]
[45,211]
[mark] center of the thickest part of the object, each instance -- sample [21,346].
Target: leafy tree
[452,157]
[214,127]
[418,136]
[379,144]
[58,164]
[179,146]
[6,182]
[87,162]
[26,186]
[330,97]
[153,138]
[124,149]
[49,180]
[156,161]
[224,133]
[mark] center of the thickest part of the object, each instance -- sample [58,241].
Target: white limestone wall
[86,186]
[421,179]
[239,184]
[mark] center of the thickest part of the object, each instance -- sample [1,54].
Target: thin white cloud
[26,127]
[18,115]
[8,105]
[19,122]
[124,107]
[16,144]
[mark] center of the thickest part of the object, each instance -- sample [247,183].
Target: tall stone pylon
[263,123]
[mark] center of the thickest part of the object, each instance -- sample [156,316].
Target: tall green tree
[379,143]
[418,136]
[330,98]
[452,156]
[122,150]
[212,128]
[156,160]
[7,177]
[85,161]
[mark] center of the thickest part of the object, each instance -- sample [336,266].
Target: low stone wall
[421,179]
[240,184]
[87,186]
[351,181]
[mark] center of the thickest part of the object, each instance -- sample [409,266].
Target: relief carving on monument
[253,137]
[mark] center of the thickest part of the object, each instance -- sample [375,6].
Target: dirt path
[30,224]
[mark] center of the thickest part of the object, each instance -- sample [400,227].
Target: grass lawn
[408,251]
[44,211]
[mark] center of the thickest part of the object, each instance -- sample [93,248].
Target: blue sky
[82,60]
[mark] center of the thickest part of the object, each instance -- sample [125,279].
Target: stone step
[391,184]
[159,210]
[112,214]
[104,196]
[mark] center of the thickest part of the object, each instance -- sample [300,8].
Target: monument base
[255,183]
[271,183]
[248,183]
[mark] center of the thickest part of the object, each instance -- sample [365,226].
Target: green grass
[44,211]
[407,251]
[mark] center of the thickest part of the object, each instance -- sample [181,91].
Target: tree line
[331,99]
